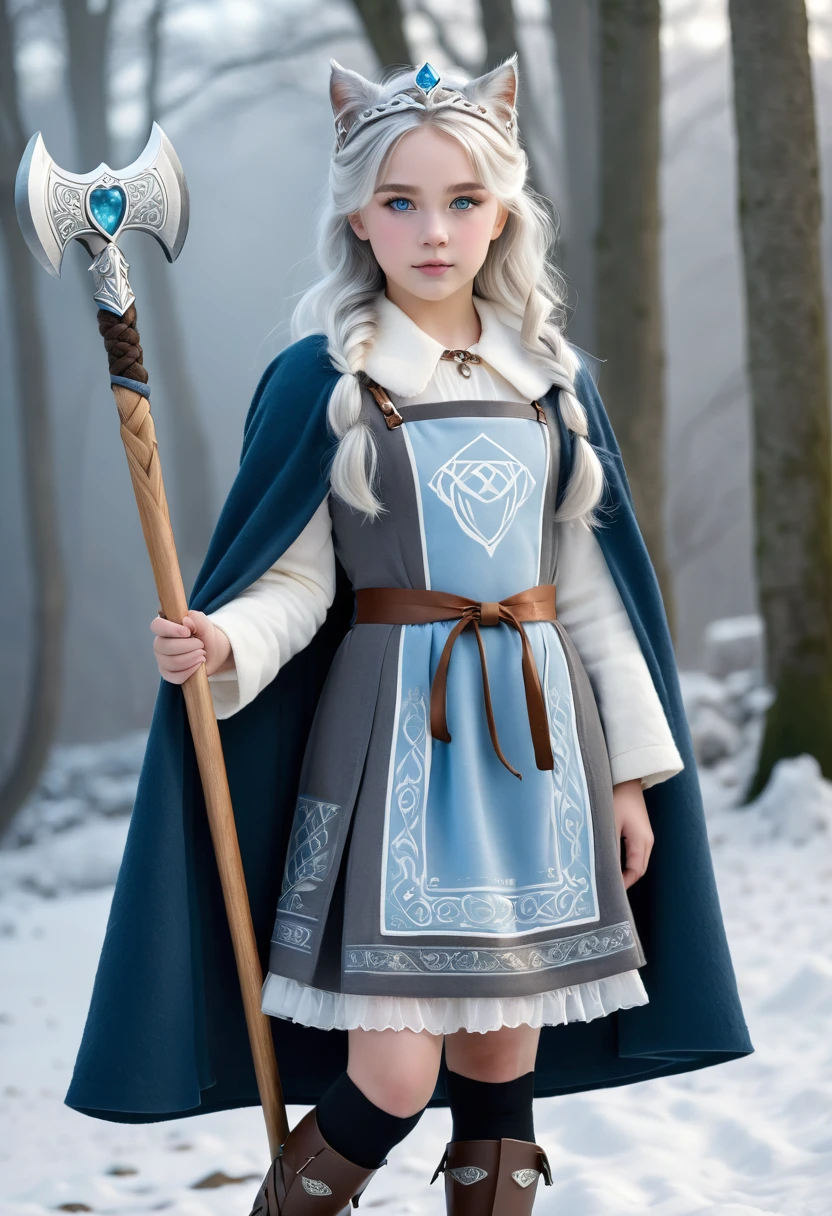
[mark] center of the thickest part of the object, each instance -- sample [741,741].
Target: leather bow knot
[489,612]
[399,605]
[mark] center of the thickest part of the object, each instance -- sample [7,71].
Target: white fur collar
[404,358]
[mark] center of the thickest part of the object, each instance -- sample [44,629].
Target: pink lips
[433,270]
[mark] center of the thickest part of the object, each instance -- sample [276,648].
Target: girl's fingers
[634,855]
[171,646]
[179,651]
[180,677]
[181,662]
[169,629]
[637,852]
[178,662]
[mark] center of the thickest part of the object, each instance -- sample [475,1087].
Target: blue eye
[462,199]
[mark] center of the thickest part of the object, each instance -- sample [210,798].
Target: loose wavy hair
[517,273]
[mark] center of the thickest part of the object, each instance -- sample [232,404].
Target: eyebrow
[400,189]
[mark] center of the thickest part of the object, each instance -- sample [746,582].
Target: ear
[501,221]
[499,86]
[357,224]
[350,92]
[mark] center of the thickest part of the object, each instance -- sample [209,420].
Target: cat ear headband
[357,102]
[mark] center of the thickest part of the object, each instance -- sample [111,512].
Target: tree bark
[383,21]
[629,307]
[42,698]
[499,25]
[87,39]
[189,450]
[780,215]
[576,46]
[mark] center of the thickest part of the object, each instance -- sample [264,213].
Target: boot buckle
[440,1167]
[356,1197]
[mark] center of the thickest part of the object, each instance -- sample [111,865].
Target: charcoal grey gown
[421,874]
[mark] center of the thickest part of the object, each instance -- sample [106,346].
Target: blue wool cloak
[165,1035]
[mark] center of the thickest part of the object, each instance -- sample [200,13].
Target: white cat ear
[350,92]
[497,87]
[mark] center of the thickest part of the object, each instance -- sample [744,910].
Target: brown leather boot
[492,1177]
[309,1176]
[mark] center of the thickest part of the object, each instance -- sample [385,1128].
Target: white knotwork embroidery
[298,937]
[466,1174]
[310,850]
[314,1186]
[524,1177]
[485,486]
[409,793]
[595,943]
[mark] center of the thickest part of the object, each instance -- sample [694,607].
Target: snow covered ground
[753,1136]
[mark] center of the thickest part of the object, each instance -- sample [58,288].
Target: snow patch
[796,804]
[734,644]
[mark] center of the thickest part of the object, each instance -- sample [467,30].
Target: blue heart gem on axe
[107,207]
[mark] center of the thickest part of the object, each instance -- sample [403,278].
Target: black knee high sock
[490,1110]
[358,1129]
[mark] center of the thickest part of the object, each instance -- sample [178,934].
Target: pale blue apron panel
[467,846]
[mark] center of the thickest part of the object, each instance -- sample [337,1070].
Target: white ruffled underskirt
[287,998]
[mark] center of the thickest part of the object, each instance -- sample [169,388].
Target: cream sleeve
[275,617]
[639,740]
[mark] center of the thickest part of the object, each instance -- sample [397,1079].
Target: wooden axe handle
[139,437]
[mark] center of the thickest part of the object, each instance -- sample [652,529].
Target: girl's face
[430,207]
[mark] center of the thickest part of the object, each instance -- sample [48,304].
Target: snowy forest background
[241,89]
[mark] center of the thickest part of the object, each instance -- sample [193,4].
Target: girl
[495,696]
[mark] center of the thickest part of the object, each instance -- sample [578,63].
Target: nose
[434,233]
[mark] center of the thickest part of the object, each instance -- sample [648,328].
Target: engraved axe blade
[55,207]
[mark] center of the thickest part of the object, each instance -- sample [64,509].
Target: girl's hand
[632,822]
[181,649]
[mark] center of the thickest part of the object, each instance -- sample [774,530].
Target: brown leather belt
[407,606]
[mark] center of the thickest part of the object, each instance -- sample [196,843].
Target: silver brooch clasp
[462,358]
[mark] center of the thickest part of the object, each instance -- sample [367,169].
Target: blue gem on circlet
[108,207]
[427,77]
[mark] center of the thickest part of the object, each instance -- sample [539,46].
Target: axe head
[55,207]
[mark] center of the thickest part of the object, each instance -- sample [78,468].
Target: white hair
[517,273]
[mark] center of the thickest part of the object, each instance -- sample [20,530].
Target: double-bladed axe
[55,207]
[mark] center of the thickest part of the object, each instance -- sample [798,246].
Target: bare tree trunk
[780,214]
[189,450]
[383,22]
[499,25]
[629,310]
[41,703]
[576,45]
[87,37]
